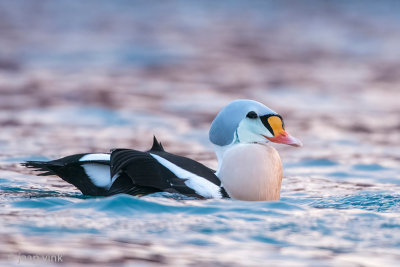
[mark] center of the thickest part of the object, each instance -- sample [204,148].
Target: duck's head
[248,121]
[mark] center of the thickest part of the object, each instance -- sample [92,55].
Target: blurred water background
[87,76]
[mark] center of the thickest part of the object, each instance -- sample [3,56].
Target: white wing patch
[199,184]
[95,156]
[99,174]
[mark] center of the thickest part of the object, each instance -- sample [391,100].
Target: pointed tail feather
[41,166]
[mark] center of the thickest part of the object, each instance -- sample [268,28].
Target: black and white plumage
[248,167]
[134,172]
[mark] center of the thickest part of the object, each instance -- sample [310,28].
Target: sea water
[319,221]
[81,77]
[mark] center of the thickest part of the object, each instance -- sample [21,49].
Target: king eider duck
[248,168]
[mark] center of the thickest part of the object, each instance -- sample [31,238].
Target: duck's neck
[250,171]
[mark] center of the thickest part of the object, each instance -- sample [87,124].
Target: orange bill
[280,135]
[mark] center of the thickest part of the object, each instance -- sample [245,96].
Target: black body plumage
[133,172]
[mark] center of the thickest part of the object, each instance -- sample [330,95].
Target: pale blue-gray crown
[224,125]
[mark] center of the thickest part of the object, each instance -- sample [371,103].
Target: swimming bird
[248,167]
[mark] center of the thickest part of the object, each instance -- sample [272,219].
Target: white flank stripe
[115,177]
[96,156]
[200,185]
[99,174]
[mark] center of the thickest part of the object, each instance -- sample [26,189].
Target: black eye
[252,115]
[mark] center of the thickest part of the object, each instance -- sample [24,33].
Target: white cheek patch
[258,127]
[96,156]
[99,174]
[199,184]
[252,130]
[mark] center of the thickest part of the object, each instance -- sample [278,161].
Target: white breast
[251,172]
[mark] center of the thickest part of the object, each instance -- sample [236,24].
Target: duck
[249,168]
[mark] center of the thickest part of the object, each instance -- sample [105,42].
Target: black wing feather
[139,173]
[189,165]
[145,171]
[157,146]
[125,185]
